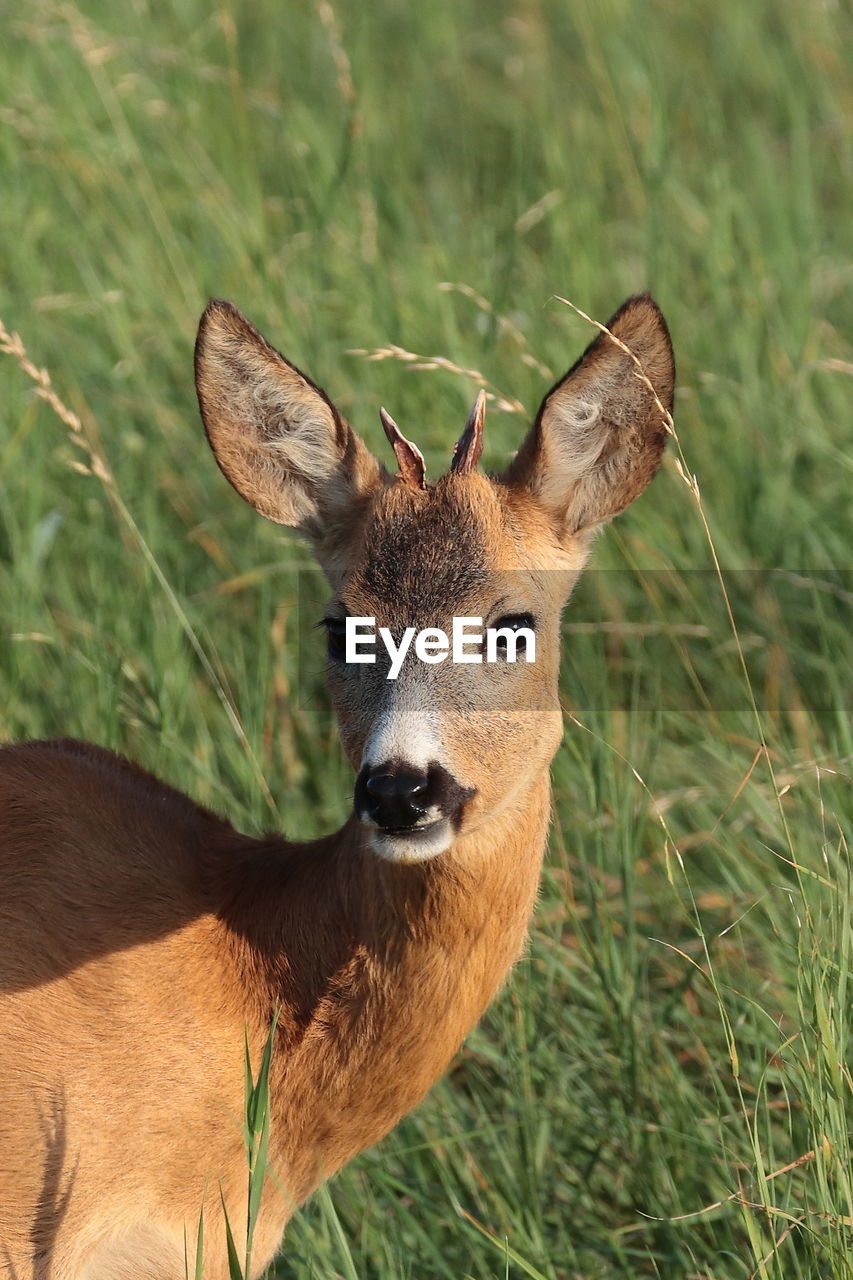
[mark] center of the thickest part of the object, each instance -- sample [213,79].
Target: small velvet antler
[469,446]
[410,460]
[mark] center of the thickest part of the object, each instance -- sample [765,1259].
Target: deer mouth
[422,829]
[411,844]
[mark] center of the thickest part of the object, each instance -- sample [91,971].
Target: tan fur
[141,937]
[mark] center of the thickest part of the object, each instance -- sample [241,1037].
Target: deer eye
[336,631]
[513,622]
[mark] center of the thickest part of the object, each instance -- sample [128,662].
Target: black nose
[397,796]
[393,801]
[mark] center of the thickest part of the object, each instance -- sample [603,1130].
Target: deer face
[444,746]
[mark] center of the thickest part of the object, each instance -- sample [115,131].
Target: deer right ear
[276,436]
[600,433]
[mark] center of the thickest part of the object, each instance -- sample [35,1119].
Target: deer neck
[378,971]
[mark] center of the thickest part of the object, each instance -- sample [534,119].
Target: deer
[145,943]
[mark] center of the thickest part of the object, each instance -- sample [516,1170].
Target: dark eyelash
[335,636]
[516,621]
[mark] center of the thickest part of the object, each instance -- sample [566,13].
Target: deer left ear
[599,435]
[276,435]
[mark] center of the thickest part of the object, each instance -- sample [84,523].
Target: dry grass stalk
[505,325]
[692,484]
[737,1196]
[505,404]
[343,69]
[85,437]
[12,345]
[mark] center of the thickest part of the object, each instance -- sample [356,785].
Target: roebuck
[142,937]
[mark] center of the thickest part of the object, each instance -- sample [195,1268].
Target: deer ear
[276,436]
[599,435]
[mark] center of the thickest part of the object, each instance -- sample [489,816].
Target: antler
[469,446]
[410,460]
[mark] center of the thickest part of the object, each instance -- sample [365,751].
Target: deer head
[446,748]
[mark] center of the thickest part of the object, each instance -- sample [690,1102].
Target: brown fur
[142,937]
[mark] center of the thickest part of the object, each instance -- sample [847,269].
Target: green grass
[679,1031]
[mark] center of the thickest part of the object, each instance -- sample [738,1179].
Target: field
[663,1088]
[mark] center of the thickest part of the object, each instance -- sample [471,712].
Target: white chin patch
[417,845]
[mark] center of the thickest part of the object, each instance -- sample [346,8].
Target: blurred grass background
[679,1031]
